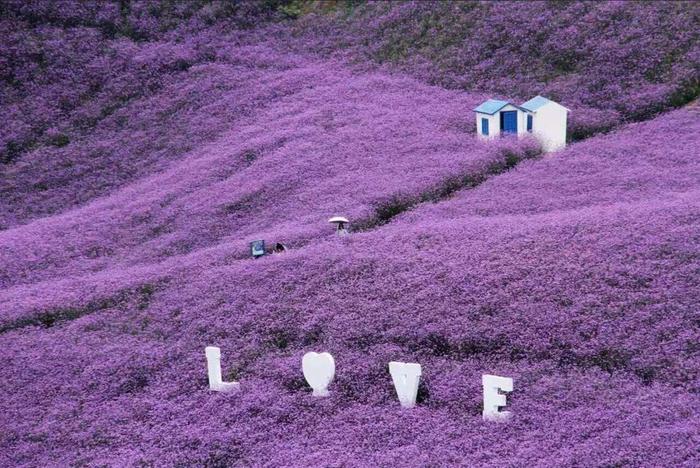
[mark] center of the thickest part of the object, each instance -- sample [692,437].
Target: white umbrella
[338,219]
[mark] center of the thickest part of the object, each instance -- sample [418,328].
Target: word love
[319,371]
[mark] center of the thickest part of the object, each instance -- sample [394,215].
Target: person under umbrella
[341,225]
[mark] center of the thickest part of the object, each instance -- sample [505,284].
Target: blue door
[529,123]
[509,122]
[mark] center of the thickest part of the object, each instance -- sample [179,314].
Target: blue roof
[535,103]
[491,106]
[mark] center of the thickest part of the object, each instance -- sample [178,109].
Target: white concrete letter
[493,399]
[406,377]
[319,370]
[214,369]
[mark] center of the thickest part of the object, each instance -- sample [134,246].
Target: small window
[529,123]
[484,126]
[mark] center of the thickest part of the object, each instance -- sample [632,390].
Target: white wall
[494,125]
[549,126]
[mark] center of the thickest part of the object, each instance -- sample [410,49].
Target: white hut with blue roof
[543,118]
[547,121]
[494,118]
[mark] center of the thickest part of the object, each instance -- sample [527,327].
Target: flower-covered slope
[611,61]
[644,161]
[348,144]
[96,97]
[577,274]
[590,306]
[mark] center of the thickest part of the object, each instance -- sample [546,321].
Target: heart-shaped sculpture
[319,369]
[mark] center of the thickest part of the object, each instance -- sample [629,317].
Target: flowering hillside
[610,60]
[355,144]
[147,145]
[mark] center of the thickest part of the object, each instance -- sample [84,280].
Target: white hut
[543,118]
[547,121]
[495,117]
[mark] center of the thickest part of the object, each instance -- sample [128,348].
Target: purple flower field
[147,143]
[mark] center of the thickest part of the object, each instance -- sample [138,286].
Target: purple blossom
[144,148]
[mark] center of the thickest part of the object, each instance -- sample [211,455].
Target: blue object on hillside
[257,248]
